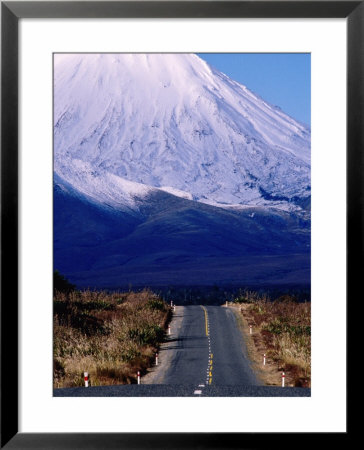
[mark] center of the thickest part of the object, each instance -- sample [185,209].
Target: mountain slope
[171,121]
[177,241]
[168,172]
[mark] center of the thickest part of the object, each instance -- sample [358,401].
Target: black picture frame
[11,12]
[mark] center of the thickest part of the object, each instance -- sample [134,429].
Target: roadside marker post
[250,329]
[264,359]
[156,359]
[85,375]
[169,330]
[138,377]
[283,377]
[226,303]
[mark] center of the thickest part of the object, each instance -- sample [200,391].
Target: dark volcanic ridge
[176,241]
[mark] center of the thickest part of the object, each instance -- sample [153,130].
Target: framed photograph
[168,169]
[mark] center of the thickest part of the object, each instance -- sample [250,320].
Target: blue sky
[283,79]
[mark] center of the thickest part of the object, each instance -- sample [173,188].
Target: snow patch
[127,125]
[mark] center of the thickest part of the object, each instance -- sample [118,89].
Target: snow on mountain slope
[125,124]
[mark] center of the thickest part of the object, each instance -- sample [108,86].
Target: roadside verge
[269,374]
[167,351]
[278,339]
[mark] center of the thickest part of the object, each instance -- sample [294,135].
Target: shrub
[156,304]
[111,336]
[285,327]
[61,284]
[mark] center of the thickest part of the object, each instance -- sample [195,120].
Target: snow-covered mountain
[127,123]
[166,171]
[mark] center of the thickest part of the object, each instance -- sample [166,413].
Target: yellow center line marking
[206,321]
[207,330]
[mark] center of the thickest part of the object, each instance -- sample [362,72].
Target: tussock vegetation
[283,327]
[110,336]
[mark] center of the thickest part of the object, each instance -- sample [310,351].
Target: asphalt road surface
[208,350]
[205,356]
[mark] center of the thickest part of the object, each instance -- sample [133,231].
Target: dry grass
[110,336]
[282,330]
[268,374]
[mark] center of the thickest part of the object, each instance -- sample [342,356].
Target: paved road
[208,350]
[165,390]
[205,356]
